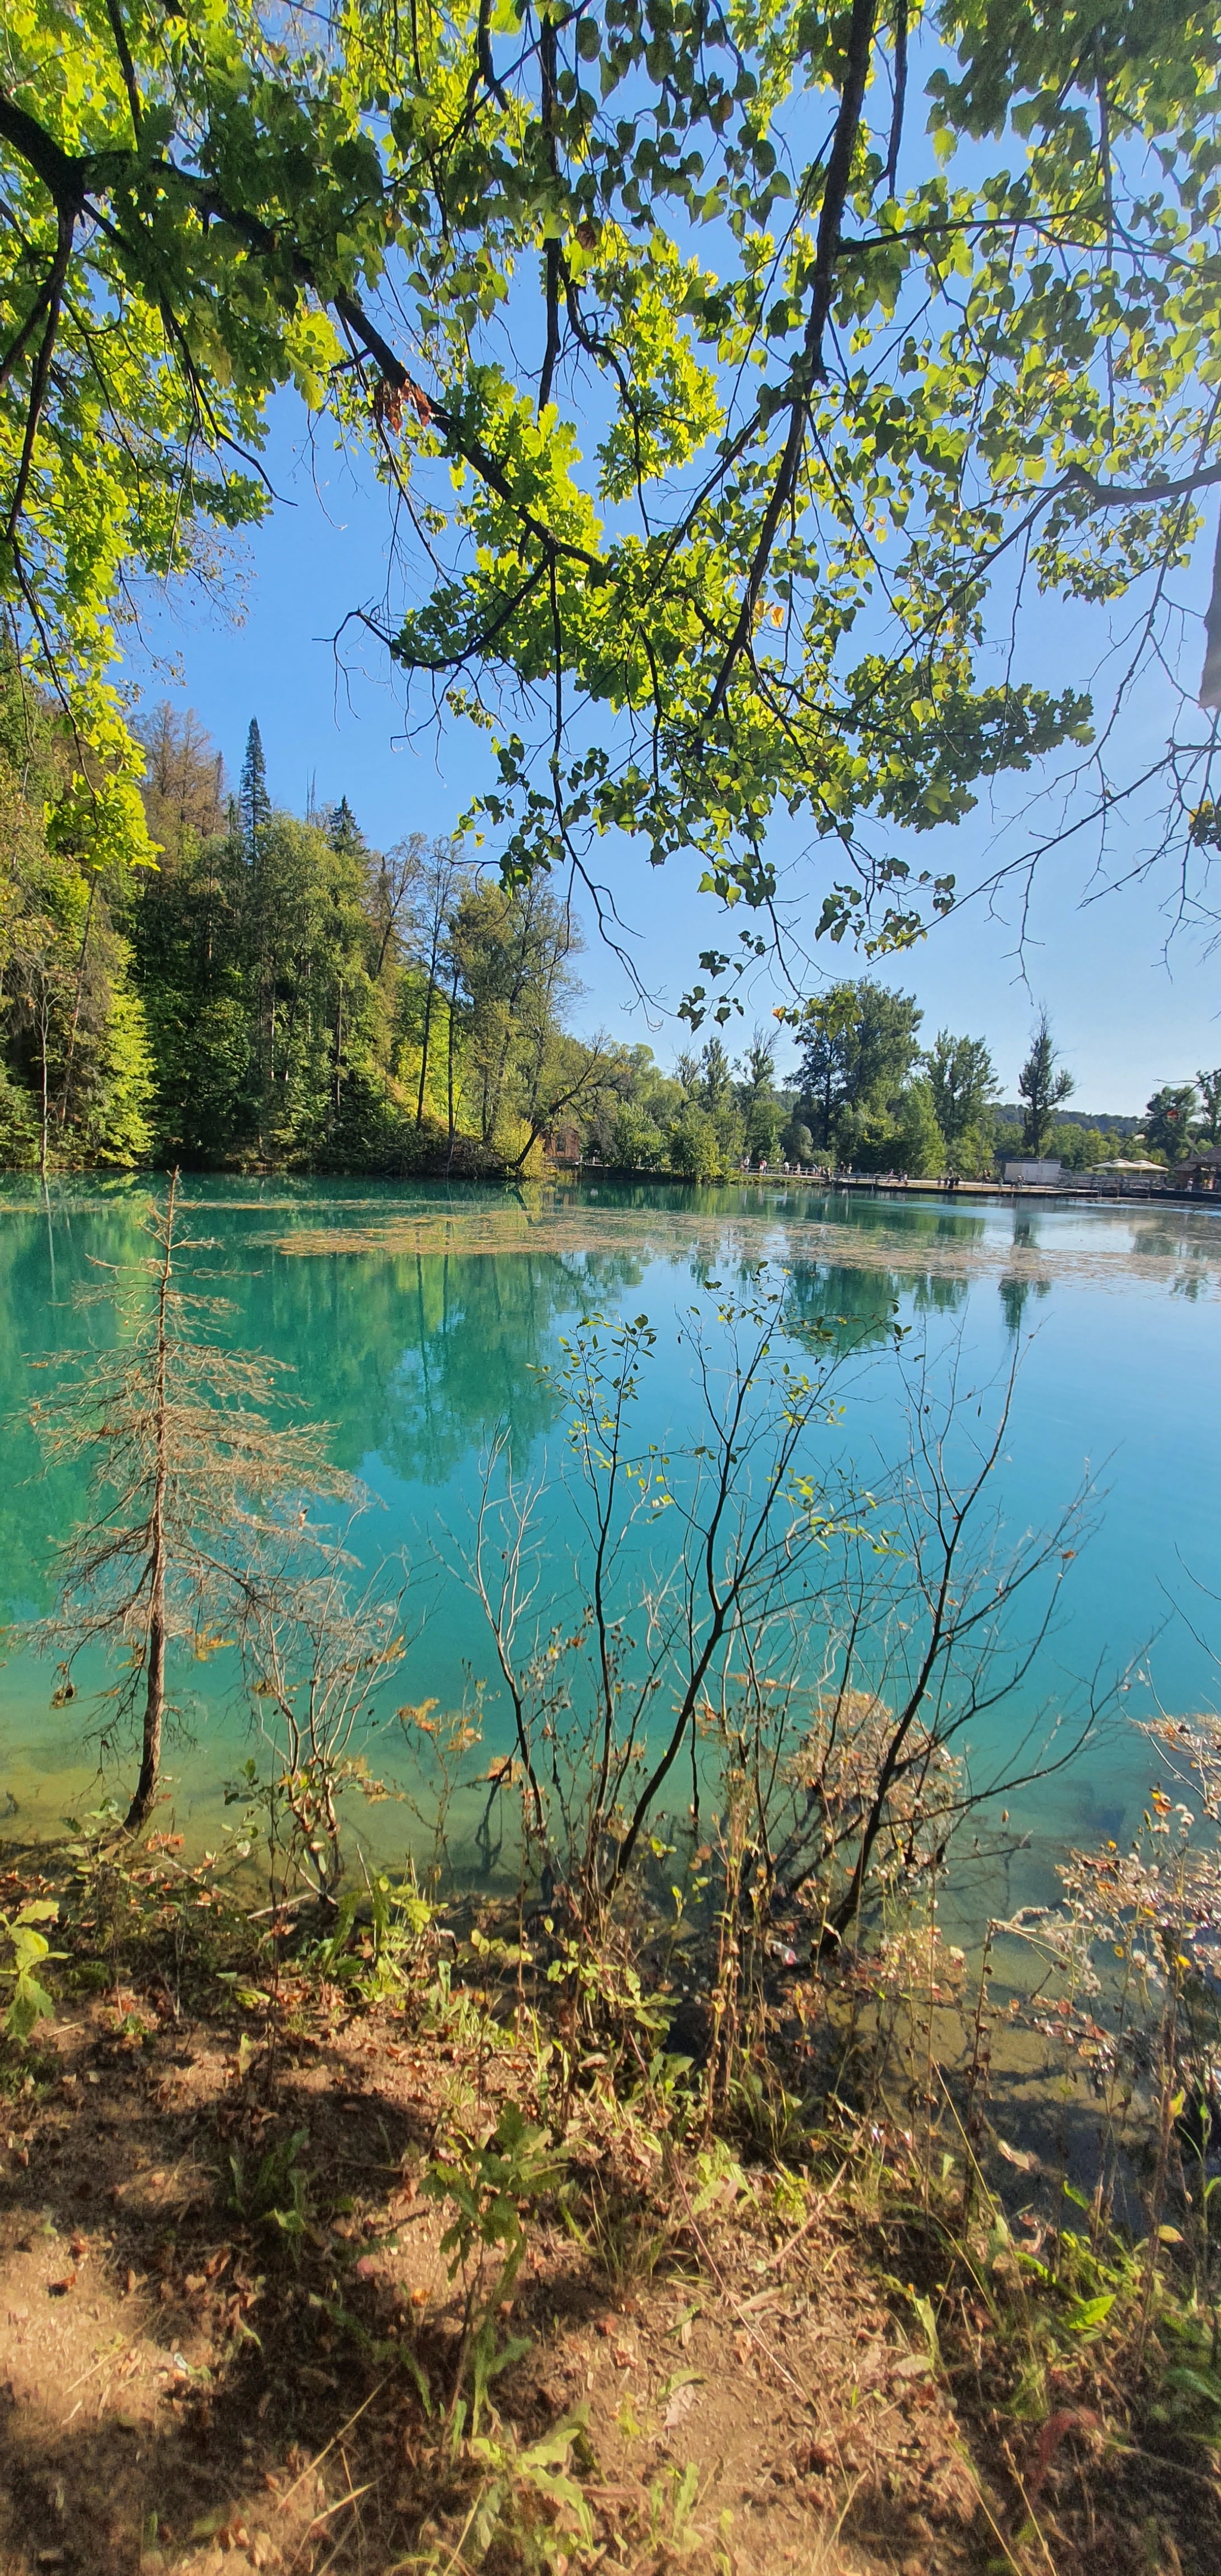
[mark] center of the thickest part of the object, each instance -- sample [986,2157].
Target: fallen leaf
[1023,2157]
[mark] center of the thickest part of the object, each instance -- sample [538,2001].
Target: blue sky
[1129,1014]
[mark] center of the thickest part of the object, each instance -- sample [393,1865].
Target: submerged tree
[195,1492]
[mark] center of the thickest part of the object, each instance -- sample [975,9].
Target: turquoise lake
[417,1322]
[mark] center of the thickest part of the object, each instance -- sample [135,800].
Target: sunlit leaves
[557,273]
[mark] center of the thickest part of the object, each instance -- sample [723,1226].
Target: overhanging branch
[810,365]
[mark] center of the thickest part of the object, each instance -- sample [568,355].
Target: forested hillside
[201,977]
[226,984]
[245,986]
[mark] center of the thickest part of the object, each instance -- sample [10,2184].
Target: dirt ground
[184,2387]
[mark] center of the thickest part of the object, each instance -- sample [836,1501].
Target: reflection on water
[1015,1295]
[420,1323]
[859,1307]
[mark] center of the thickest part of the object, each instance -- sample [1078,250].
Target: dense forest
[227,984]
[261,988]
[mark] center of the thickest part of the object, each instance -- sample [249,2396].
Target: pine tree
[342,829]
[253,801]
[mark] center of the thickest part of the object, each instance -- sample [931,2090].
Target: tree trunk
[154,1698]
[453,1014]
[428,1003]
[44,1036]
[419,1106]
[76,1004]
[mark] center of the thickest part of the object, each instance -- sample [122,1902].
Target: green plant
[774,2121]
[1187,2398]
[374,1950]
[627,2240]
[29,2002]
[529,2496]
[672,2501]
[719,2179]
[488,2183]
[275,2193]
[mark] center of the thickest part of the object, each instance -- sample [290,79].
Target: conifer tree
[343,831]
[253,801]
[1042,1083]
[196,1496]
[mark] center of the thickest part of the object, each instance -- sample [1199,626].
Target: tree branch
[896,121]
[810,365]
[66,175]
[1121,496]
[551,249]
[123,50]
[42,368]
[72,179]
[1210,677]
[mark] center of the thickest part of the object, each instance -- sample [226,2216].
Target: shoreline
[1076,1189]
